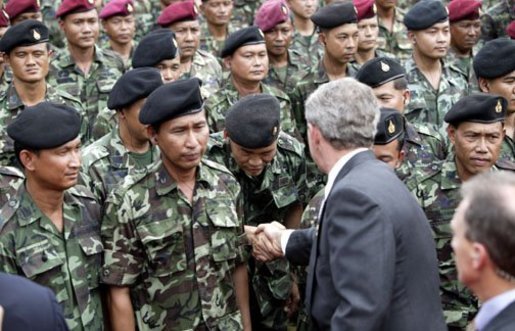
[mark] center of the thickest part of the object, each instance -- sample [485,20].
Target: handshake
[266,240]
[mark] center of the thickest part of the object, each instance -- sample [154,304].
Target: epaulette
[12,171]
[216,166]
[98,151]
[506,165]
[275,92]
[81,191]
[427,130]
[9,209]
[65,95]
[289,143]
[216,140]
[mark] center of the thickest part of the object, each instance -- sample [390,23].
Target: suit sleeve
[362,259]
[298,248]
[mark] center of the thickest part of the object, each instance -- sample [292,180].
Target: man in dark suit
[483,243]
[372,259]
[28,306]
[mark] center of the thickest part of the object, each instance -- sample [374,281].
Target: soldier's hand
[292,304]
[267,243]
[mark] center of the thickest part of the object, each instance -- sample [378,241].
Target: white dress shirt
[492,308]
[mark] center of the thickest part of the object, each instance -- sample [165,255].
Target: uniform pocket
[92,247]
[226,226]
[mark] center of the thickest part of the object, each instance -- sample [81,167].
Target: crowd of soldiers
[141,142]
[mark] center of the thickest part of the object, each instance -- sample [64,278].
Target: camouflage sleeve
[105,123]
[7,258]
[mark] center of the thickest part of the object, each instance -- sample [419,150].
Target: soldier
[83,69]
[389,138]
[126,150]
[286,66]
[173,257]
[465,31]
[26,51]
[270,167]
[181,18]
[51,230]
[305,37]
[10,180]
[496,19]
[393,35]
[475,131]
[216,26]
[245,56]
[119,25]
[243,12]
[494,66]
[21,10]
[434,83]
[423,144]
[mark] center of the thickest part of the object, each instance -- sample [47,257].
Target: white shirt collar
[493,307]
[337,167]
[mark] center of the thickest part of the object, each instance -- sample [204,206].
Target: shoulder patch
[81,191]
[12,171]
[289,143]
[216,166]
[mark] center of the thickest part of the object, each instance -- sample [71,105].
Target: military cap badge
[498,107]
[36,34]
[174,42]
[261,33]
[38,4]
[374,8]
[385,67]
[130,9]
[274,131]
[391,127]
[91,2]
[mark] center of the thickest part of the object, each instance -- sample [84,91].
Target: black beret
[247,36]
[253,121]
[479,108]
[155,47]
[45,125]
[175,99]
[134,85]
[389,127]
[26,33]
[335,14]
[424,14]
[379,71]
[495,59]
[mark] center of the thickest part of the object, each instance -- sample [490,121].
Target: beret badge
[91,2]
[284,9]
[385,67]
[391,127]
[36,34]
[130,9]
[498,107]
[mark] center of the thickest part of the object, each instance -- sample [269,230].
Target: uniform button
[44,258]
[12,203]
[106,272]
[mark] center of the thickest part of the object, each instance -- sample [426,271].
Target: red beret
[4,19]
[117,8]
[74,6]
[463,10]
[365,8]
[510,30]
[271,13]
[17,7]
[176,12]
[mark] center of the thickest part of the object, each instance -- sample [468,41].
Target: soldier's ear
[27,159]
[412,38]
[484,85]
[451,133]
[152,134]
[321,38]
[227,62]
[406,96]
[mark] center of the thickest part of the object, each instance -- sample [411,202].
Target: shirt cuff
[285,236]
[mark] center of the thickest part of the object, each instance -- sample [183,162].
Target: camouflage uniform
[127,64]
[177,257]
[145,13]
[48,10]
[10,180]
[465,65]
[395,42]
[207,68]
[308,46]
[217,105]
[67,262]
[267,198]
[423,146]
[93,89]
[507,149]
[107,161]
[496,19]
[11,106]
[243,12]
[428,106]
[208,44]
[287,78]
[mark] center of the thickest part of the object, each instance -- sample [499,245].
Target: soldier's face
[187,34]
[217,12]
[182,141]
[503,86]
[389,154]
[279,38]
[170,69]
[27,16]
[253,160]
[129,118]
[303,8]
[81,29]
[432,42]
[249,63]
[120,29]
[386,4]
[29,64]
[477,146]
[390,97]
[462,246]
[341,43]
[465,34]
[56,168]
[368,32]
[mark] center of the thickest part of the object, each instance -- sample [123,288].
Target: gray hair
[490,217]
[346,112]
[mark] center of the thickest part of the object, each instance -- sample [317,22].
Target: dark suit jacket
[504,321]
[373,264]
[29,306]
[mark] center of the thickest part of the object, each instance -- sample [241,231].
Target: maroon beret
[365,8]
[510,30]
[4,19]
[17,7]
[74,6]
[463,10]
[271,13]
[117,8]
[176,12]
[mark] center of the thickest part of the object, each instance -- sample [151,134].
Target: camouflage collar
[13,99]
[449,178]
[165,183]
[320,74]
[65,59]
[412,135]
[119,154]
